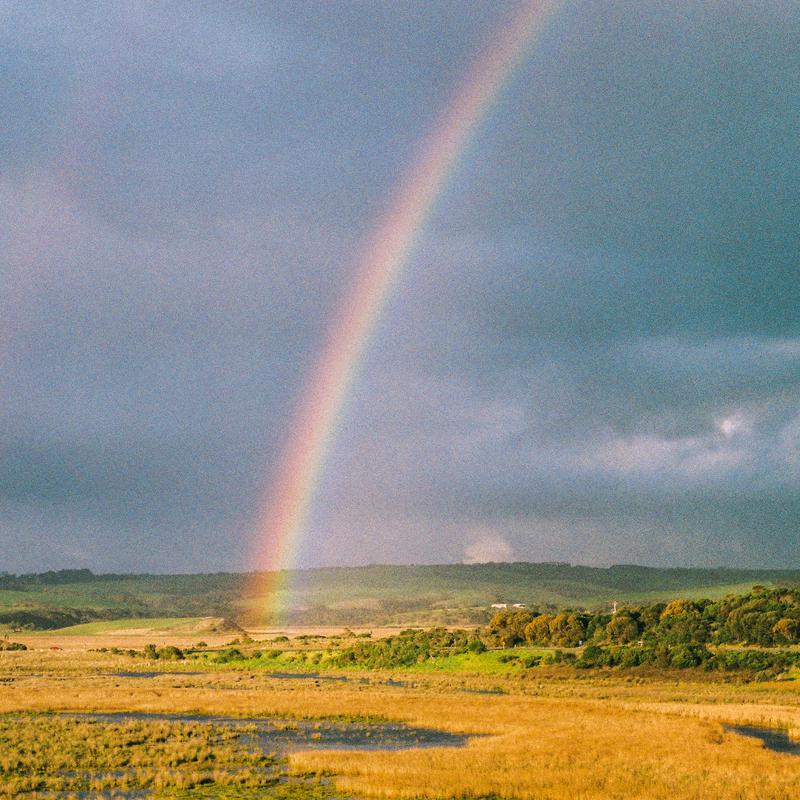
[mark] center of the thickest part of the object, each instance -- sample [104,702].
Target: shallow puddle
[307,676]
[143,674]
[776,740]
[286,735]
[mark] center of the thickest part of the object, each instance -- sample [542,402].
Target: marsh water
[273,738]
[309,676]
[278,735]
[144,674]
[287,676]
[776,740]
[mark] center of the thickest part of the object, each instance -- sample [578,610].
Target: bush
[171,653]
[631,657]
[756,661]
[685,656]
[405,649]
[680,656]
[231,654]
[593,656]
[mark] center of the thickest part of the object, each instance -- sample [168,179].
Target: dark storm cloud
[593,353]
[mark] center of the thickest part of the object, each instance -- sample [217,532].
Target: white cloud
[733,424]
[785,347]
[690,456]
[487,546]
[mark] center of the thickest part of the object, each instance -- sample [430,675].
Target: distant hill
[382,594]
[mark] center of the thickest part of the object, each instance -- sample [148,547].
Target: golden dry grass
[180,635]
[556,748]
[555,734]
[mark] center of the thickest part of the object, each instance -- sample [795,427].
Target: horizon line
[398,565]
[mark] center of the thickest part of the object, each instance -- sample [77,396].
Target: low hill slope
[383,594]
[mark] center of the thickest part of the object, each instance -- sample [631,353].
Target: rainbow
[321,406]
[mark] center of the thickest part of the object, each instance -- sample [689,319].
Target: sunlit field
[400,400]
[546,732]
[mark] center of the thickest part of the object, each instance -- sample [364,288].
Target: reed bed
[572,749]
[553,733]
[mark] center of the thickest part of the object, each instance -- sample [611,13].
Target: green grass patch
[163,624]
[492,662]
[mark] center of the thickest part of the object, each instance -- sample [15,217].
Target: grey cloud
[593,350]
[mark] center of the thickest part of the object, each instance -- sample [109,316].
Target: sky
[592,354]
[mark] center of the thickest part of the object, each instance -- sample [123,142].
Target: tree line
[766,617]
[680,633]
[407,648]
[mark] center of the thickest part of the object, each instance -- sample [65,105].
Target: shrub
[685,655]
[170,653]
[593,656]
[756,661]
[405,649]
[786,630]
[231,654]
[12,646]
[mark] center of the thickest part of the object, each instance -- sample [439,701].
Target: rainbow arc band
[316,419]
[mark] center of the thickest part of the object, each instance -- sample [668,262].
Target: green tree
[680,608]
[538,630]
[623,628]
[566,630]
[508,627]
[786,630]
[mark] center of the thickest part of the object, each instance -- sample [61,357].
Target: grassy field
[543,722]
[378,595]
[138,625]
[551,732]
